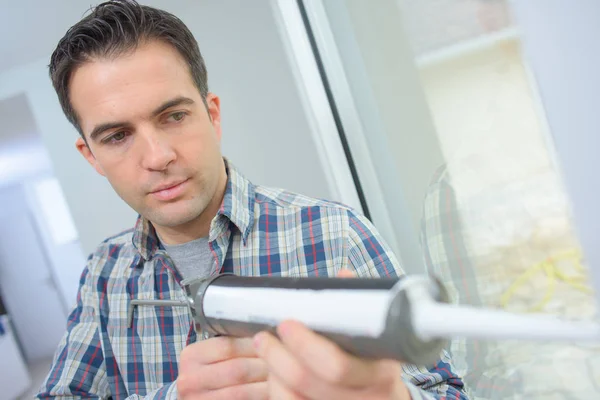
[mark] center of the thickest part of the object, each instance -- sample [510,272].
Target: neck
[189,231]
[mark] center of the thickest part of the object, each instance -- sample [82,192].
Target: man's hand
[221,368]
[305,365]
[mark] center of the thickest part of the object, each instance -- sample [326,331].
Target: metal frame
[353,126]
[314,99]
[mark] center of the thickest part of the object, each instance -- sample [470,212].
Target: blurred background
[464,129]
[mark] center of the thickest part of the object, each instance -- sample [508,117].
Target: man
[132,81]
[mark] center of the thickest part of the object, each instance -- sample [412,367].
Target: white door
[26,284]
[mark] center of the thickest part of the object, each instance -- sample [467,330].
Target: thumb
[345,273]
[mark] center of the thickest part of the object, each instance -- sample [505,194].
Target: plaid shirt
[257,231]
[447,257]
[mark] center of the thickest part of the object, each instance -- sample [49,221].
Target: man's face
[149,132]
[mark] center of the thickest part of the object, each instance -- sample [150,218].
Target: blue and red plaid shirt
[257,231]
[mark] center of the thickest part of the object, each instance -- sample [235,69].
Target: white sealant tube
[353,312]
[366,317]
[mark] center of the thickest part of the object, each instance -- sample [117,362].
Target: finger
[329,362]
[345,273]
[251,391]
[282,364]
[278,391]
[217,349]
[232,372]
[292,374]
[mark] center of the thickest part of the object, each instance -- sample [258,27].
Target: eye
[116,138]
[177,116]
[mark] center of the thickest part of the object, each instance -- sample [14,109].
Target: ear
[85,151]
[213,105]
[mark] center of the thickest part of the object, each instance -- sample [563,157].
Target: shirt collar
[237,207]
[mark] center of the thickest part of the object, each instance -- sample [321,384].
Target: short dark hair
[114,28]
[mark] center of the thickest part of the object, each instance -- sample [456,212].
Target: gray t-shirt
[192,259]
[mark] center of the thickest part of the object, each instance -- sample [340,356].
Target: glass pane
[497,207]
[497,224]
[495,221]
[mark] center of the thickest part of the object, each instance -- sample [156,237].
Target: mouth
[169,191]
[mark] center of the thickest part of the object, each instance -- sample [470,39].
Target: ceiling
[30,29]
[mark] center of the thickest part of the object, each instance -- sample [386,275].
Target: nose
[157,152]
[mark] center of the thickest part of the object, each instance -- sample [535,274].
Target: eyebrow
[99,129]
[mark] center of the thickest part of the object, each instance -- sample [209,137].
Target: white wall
[265,130]
[561,43]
